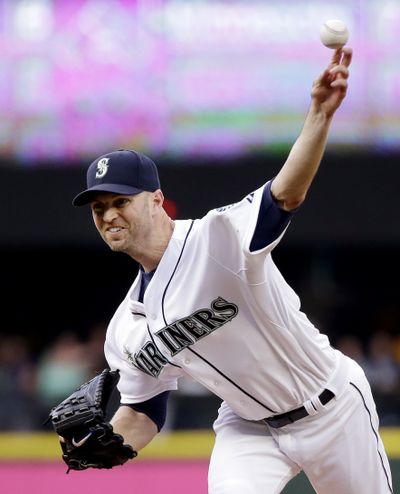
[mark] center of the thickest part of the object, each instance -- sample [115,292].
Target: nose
[109,215]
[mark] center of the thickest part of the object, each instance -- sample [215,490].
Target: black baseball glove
[88,441]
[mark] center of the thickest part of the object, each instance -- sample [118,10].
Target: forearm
[136,428]
[291,184]
[294,179]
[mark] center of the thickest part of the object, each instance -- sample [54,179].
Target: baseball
[334,33]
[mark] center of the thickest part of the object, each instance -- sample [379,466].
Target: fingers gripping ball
[334,34]
[88,441]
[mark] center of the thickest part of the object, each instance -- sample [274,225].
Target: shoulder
[238,213]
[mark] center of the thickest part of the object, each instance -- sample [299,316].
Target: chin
[116,246]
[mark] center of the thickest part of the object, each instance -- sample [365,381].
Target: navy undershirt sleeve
[271,222]
[155,408]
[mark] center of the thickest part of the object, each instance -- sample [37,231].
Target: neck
[151,256]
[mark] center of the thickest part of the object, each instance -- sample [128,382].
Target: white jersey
[223,315]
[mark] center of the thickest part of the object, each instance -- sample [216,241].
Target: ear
[158,198]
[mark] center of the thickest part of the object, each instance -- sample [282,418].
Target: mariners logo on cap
[102,167]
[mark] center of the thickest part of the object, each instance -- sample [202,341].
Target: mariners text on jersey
[180,334]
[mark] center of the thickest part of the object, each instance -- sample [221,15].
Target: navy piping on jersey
[204,360]
[271,221]
[376,436]
[138,314]
[145,279]
[230,380]
[173,272]
[155,408]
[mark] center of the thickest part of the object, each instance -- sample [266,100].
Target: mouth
[114,229]
[114,232]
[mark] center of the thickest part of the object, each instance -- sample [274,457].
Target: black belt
[282,419]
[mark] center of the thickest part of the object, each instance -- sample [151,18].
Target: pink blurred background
[149,477]
[186,78]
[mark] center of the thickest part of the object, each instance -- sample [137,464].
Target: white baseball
[334,33]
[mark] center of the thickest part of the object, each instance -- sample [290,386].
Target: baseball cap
[124,172]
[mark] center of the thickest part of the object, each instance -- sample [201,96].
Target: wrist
[319,114]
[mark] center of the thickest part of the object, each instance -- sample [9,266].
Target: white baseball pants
[339,449]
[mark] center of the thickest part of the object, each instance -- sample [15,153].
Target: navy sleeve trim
[271,222]
[155,408]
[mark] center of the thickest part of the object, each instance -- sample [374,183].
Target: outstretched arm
[291,184]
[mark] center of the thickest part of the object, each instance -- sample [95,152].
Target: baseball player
[209,303]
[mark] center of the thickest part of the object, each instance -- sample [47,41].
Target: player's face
[124,222]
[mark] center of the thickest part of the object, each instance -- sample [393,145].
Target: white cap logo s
[102,167]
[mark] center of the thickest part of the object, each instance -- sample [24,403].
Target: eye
[120,202]
[97,208]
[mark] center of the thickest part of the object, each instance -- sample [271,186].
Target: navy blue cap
[124,172]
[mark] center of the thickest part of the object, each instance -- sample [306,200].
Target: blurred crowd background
[31,383]
[53,339]
[215,92]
